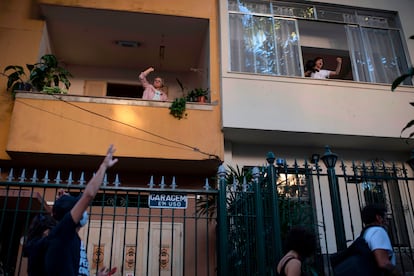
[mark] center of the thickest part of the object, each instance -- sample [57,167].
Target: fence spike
[70,179]
[244,185]
[207,185]
[34,176]
[234,185]
[151,183]
[58,179]
[22,177]
[10,176]
[221,171]
[105,180]
[117,183]
[173,184]
[82,179]
[255,173]
[162,184]
[46,178]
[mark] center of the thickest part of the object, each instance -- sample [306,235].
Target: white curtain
[264,45]
[376,55]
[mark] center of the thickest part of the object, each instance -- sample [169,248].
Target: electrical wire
[183,145]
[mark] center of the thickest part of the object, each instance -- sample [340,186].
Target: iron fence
[141,231]
[259,212]
[237,229]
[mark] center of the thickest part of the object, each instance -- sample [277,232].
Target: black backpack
[356,260]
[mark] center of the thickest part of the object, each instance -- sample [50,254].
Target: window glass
[249,6]
[264,45]
[369,41]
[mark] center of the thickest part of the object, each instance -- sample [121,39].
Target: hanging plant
[177,108]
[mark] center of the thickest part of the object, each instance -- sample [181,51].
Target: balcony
[314,112]
[68,130]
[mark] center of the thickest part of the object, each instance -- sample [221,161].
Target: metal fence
[141,231]
[237,229]
[262,207]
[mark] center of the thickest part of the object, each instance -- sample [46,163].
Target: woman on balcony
[156,91]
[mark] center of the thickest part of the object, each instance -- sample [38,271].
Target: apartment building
[269,105]
[250,56]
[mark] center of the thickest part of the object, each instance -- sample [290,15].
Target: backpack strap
[282,269]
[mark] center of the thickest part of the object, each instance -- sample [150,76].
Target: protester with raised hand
[66,254]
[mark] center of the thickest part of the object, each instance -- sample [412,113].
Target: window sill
[319,82]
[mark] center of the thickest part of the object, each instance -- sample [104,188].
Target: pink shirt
[150,92]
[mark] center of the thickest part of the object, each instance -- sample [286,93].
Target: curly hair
[301,240]
[39,224]
[369,213]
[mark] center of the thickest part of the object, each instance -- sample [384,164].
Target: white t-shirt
[321,74]
[377,238]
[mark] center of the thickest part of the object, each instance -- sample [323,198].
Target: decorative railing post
[273,175]
[222,224]
[260,232]
[329,159]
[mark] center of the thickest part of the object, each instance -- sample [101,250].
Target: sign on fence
[172,201]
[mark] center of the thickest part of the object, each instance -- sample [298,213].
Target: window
[276,38]
[124,90]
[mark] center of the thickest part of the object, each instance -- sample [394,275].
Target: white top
[321,74]
[377,238]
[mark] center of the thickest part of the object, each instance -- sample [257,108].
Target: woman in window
[319,73]
[156,91]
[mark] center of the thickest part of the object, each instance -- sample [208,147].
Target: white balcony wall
[316,106]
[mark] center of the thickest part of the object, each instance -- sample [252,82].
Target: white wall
[315,106]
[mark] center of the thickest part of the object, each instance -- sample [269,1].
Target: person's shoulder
[373,231]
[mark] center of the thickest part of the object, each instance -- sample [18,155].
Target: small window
[124,90]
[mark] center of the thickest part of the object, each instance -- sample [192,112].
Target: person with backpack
[376,236]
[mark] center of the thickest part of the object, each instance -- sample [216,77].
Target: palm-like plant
[396,83]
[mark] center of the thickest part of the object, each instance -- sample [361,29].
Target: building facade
[250,55]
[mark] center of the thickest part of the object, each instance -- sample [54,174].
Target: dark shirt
[63,249]
[35,251]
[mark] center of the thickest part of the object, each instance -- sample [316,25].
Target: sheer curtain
[376,54]
[264,45]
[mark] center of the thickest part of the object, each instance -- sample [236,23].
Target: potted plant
[198,95]
[48,73]
[177,108]
[15,75]
[44,76]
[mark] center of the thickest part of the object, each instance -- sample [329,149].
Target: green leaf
[401,78]
[398,81]
[409,124]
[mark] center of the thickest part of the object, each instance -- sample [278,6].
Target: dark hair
[309,66]
[317,58]
[39,224]
[301,240]
[63,205]
[369,213]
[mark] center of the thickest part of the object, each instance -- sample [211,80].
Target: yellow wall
[48,125]
[19,44]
